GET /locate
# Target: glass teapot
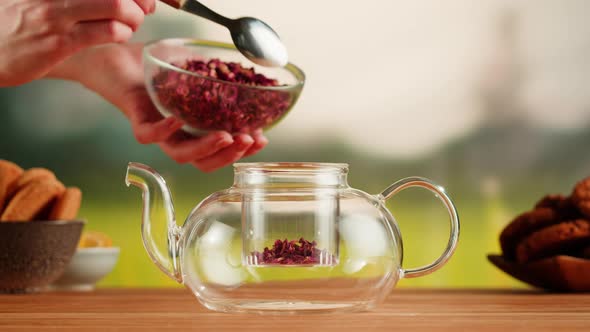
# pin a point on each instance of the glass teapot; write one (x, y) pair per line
(286, 237)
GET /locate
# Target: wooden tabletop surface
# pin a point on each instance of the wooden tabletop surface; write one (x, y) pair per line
(404, 310)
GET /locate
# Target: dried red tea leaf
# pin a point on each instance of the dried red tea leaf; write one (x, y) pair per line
(210, 105)
(290, 252)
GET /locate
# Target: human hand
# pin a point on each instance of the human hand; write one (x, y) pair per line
(116, 73)
(36, 35)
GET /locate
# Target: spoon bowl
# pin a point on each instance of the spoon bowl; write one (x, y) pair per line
(255, 39)
(258, 42)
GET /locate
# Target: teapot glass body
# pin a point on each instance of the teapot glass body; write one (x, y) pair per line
(286, 237)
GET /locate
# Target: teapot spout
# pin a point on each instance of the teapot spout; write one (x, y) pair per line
(159, 231)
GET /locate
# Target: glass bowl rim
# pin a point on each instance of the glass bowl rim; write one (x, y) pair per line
(187, 42)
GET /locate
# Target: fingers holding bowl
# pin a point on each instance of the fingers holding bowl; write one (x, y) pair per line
(260, 142)
(154, 132)
(207, 153)
(242, 143)
(184, 148)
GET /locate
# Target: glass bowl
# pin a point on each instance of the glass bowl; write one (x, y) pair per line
(207, 104)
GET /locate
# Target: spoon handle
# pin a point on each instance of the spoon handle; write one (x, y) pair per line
(197, 8)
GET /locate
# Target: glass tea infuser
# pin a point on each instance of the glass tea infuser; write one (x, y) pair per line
(285, 237)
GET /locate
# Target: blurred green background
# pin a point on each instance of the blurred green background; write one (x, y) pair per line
(502, 147)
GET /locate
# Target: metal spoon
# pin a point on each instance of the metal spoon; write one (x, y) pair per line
(254, 38)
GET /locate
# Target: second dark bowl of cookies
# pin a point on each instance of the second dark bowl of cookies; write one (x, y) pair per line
(549, 246)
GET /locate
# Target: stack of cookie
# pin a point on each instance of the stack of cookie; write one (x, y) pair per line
(35, 194)
(557, 225)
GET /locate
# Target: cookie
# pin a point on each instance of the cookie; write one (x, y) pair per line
(582, 252)
(524, 225)
(556, 239)
(31, 200)
(67, 205)
(564, 206)
(31, 175)
(581, 196)
(9, 173)
(551, 201)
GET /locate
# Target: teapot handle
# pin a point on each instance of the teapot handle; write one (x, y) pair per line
(447, 202)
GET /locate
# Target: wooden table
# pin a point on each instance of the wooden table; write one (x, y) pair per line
(404, 310)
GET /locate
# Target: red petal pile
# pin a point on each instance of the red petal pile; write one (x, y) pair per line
(209, 105)
(289, 253)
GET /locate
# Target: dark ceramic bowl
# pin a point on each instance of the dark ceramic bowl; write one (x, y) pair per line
(34, 254)
(558, 273)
